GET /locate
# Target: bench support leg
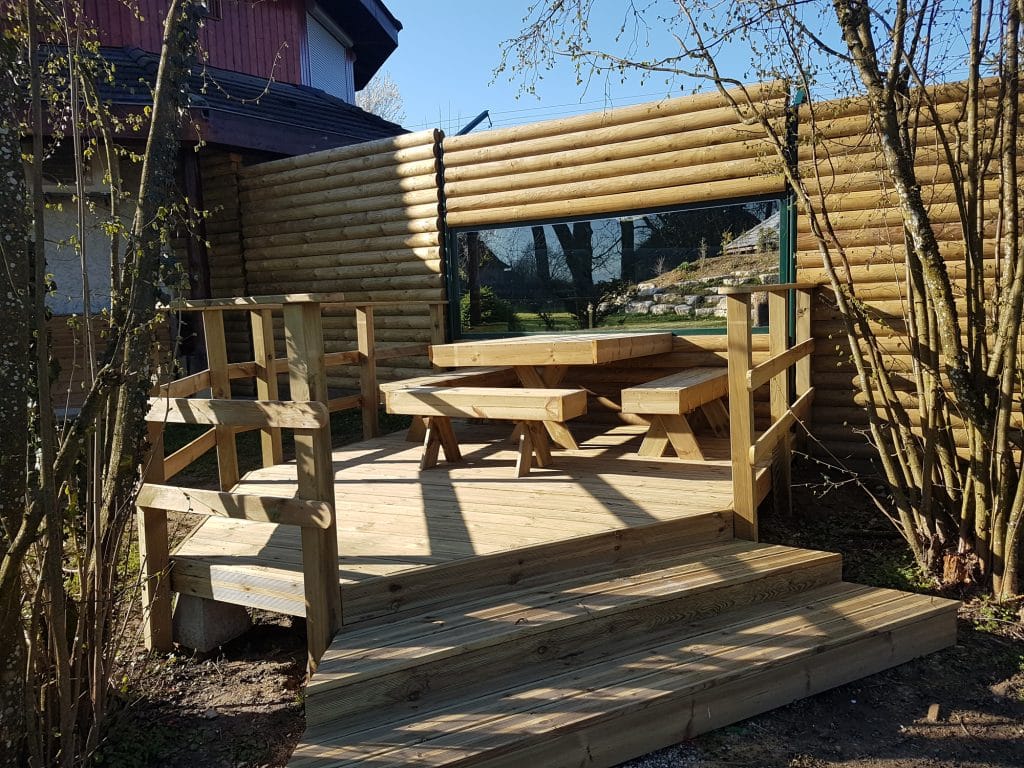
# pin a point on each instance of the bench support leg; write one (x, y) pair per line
(529, 377)
(533, 444)
(671, 431)
(439, 435)
(417, 430)
(718, 416)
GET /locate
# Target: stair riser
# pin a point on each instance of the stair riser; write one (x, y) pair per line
(631, 732)
(560, 646)
(424, 589)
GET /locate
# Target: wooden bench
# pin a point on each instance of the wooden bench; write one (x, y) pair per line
(528, 408)
(492, 376)
(667, 400)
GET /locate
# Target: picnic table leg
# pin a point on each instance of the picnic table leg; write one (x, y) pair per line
(529, 377)
(670, 430)
(717, 416)
(439, 436)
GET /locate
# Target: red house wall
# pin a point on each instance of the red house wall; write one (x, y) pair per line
(248, 37)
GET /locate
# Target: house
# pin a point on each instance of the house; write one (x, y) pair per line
(277, 79)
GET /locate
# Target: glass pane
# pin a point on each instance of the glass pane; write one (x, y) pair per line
(647, 270)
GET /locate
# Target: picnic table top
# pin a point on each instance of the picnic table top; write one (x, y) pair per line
(552, 349)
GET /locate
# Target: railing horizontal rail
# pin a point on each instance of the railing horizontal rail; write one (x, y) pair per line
(183, 387)
(243, 506)
(761, 374)
(252, 413)
(344, 403)
(333, 300)
(762, 450)
(185, 455)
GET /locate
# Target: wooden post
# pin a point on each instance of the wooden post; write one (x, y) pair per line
(220, 387)
(154, 557)
(368, 372)
(266, 380)
(778, 342)
(308, 382)
(802, 332)
(741, 416)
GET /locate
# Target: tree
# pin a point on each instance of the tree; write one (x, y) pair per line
(67, 498)
(382, 98)
(959, 505)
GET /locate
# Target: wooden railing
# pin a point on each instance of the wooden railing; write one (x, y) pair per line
(787, 372)
(306, 413)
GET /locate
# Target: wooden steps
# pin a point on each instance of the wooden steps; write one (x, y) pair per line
(595, 665)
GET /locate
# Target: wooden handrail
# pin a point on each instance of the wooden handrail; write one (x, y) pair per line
(763, 449)
(188, 453)
(243, 506)
(263, 414)
(761, 374)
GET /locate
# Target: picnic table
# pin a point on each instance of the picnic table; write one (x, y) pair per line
(542, 361)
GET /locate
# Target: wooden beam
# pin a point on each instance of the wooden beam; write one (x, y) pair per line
(344, 403)
(307, 379)
(348, 357)
(261, 509)
(188, 453)
(741, 415)
(220, 389)
(761, 374)
(368, 371)
(183, 387)
(740, 290)
(260, 414)
(262, 322)
(760, 453)
(779, 396)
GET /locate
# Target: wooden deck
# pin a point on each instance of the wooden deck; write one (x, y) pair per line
(397, 525)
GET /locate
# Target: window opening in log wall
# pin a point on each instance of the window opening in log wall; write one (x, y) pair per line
(654, 270)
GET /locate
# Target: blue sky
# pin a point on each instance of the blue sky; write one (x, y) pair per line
(447, 53)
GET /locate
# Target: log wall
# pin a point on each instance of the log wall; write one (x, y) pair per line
(364, 220)
(672, 152)
(844, 166)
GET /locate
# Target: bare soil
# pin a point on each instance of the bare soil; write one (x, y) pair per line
(242, 707)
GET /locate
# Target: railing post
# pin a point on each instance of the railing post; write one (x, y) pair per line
(220, 387)
(779, 396)
(437, 325)
(266, 380)
(307, 379)
(802, 375)
(154, 555)
(741, 416)
(368, 372)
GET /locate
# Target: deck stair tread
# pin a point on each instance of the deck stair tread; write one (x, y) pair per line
(637, 691)
(359, 653)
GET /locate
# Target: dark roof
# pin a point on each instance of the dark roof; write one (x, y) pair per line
(373, 29)
(246, 111)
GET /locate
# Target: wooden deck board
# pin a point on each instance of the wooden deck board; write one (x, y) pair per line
(392, 517)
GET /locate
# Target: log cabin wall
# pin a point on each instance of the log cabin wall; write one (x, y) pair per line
(844, 165)
(363, 220)
(674, 152)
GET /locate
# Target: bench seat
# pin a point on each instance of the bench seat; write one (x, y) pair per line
(528, 408)
(495, 376)
(667, 400)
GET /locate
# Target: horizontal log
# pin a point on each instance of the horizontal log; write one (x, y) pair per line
(379, 247)
(763, 450)
(408, 350)
(189, 452)
(260, 227)
(423, 282)
(334, 235)
(410, 267)
(385, 147)
(614, 203)
(254, 413)
(592, 181)
(574, 166)
(283, 209)
(761, 374)
(342, 187)
(690, 106)
(884, 255)
(242, 506)
(274, 301)
(870, 235)
(373, 261)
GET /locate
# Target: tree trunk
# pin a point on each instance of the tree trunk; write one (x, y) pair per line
(541, 255)
(473, 276)
(627, 265)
